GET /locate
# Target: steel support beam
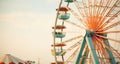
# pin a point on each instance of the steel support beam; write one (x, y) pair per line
(91, 47)
(112, 59)
(82, 46)
(84, 57)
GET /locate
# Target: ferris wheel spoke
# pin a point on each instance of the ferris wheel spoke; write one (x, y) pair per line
(94, 14)
(101, 57)
(110, 19)
(108, 14)
(85, 54)
(72, 31)
(116, 52)
(107, 47)
(105, 8)
(108, 38)
(71, 39)
(89, 9)
(85, 8)
(113, 7)
(95, 7)
(73, 46)
(79, 9)
(72, 55)
(99, 8)
(77, 17)
(110, 48)
(81, 12)
(74, 24)
(107, 32)
(112, 25)
(101, 47)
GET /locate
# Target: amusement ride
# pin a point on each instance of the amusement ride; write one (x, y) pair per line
(85, 32)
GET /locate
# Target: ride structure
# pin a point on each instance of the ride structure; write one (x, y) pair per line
(92, 23)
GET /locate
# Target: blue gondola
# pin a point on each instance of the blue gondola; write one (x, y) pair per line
(59, 34)
(64, 16)
(58, 52)
(68, 0)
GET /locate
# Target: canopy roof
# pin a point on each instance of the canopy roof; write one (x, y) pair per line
(10, 59)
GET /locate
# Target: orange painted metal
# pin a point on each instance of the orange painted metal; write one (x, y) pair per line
(93, 22)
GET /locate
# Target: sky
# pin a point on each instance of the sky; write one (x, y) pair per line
(25, 28)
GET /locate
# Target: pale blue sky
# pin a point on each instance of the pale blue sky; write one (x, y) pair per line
(25, 28)
(43, 6)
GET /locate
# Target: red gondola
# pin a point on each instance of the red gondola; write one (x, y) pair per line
(20, 63)
(2, 63)
(59, 27)
(11, 63)
(59, 62)
(65, 9)
(59, 44)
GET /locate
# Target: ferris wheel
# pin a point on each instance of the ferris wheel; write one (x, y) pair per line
(85, 32)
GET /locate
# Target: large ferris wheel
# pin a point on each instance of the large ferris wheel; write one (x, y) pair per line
(85, 31)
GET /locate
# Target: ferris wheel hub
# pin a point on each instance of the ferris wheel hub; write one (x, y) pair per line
(90, 33)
